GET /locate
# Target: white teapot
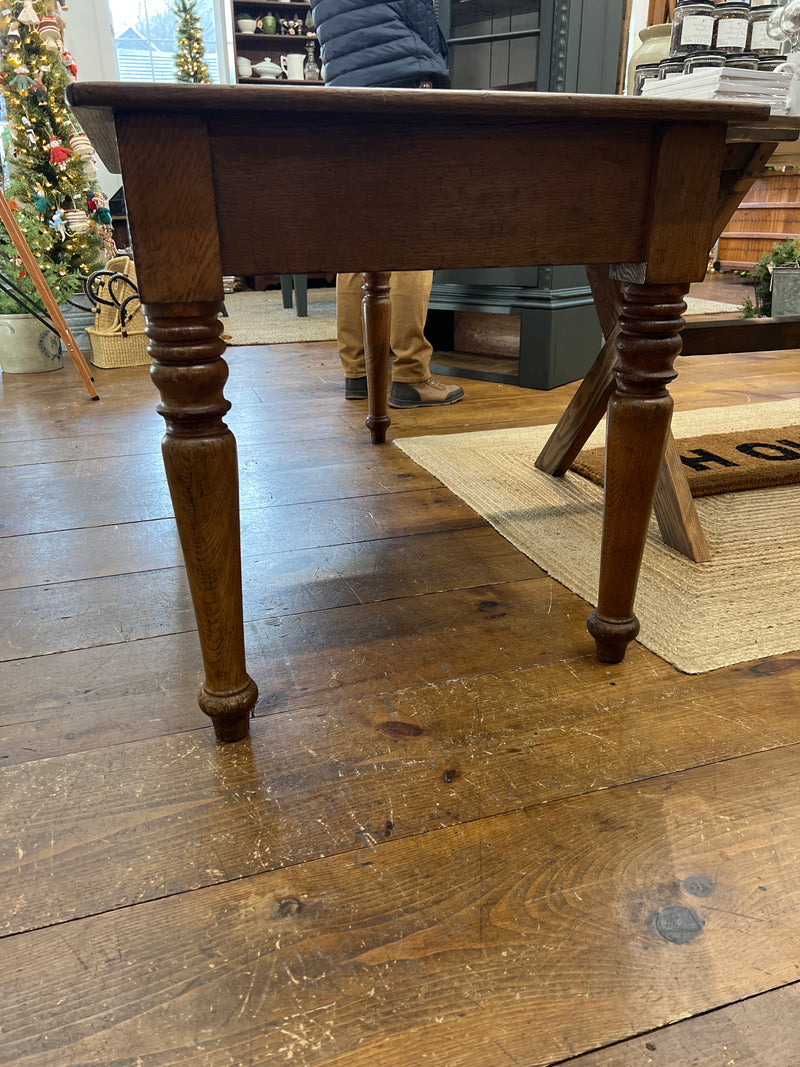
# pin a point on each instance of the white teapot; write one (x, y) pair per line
(267, 69)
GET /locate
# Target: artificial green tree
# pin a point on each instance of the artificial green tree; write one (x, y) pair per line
(48, 174)
(190, 64)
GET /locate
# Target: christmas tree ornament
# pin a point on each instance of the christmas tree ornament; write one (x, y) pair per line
(50, 33)
(77, 221)
(28, 16)
(13, 33)
(41, 203)
(59, 154)
(21, 81)
(101, 212)
(29, 131)
(58, 224)
(81, 146)
(69, 62)
(40, 93)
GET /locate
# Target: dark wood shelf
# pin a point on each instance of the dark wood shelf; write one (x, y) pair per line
(278, 38)
(274, 81)
(263, 5)
(254, 46)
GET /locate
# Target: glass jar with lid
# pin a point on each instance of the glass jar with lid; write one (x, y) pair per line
(644, 73)
(770, 62)
(703, 61)
(731, 26)
(759, 41)
(743, 61)
(692, 27)
(672, 67)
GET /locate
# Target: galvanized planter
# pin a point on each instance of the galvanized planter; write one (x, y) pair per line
(786, 291)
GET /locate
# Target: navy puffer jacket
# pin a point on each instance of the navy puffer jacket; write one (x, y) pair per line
(380, 42)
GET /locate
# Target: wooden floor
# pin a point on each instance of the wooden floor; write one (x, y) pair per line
(454, 835)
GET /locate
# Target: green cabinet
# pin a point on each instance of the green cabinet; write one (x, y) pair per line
(527, 45)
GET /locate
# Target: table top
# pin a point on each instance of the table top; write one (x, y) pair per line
(275, 96)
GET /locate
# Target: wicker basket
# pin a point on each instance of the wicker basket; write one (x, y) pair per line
(111, 349)
(113, 345)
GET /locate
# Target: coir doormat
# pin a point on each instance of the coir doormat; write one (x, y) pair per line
(724, 462)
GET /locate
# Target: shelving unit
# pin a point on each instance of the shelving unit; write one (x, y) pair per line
(258, 46)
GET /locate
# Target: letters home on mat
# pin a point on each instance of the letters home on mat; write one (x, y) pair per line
(741, 605)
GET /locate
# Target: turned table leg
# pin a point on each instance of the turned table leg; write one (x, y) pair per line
(377, 317)
(639, 414)
(200, 460)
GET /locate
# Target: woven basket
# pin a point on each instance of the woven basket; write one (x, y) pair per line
(111, 349)
(111, 345)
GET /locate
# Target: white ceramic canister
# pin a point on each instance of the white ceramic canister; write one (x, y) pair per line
(654, 47)
(27, 347)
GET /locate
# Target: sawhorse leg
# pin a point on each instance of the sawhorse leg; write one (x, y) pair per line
(674, 508)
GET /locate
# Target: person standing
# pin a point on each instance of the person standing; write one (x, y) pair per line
(388, 44)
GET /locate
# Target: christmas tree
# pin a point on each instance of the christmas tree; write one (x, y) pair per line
(190, 65)
(49, 175)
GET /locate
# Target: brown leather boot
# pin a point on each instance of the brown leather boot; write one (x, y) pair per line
(423, 394)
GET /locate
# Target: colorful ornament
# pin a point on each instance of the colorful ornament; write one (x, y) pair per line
(57, 223)
(77, 221)
(69, 62)
(28, 15)
(29, 130)
(40, 201)
(81, 146)
(22, 81)
(59, 154)
(40, 93)
(50, 33)
(101, 212)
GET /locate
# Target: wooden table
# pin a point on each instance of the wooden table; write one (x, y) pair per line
(408, 180)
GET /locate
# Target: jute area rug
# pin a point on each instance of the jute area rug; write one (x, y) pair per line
(261, 318)
(696, 306)
(741, 605)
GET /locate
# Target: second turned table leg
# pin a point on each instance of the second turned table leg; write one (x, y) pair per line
(639, 414)
(377, 318)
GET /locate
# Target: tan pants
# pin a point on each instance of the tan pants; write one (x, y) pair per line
(410, 291)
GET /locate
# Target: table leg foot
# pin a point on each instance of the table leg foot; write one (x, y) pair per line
(611, 636)
(377, 426)
(229, 712)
